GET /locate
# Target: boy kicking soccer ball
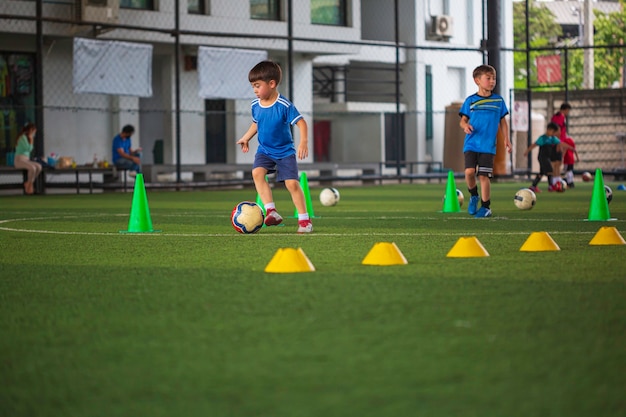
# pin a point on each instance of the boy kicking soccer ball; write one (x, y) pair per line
(272, 115)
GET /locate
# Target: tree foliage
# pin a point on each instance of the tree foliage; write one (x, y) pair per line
(609, 42)
(543, 32)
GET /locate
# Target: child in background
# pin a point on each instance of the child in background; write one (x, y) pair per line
(482, 118)
(546, 143)
(272, 116)
(560, 119)
(568, 160)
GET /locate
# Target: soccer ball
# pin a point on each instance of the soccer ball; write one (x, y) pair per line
(247, 217)
(525, 199)
(609, 193)
(459, 196)
(329, 197)
(564, 184)
(587, 176)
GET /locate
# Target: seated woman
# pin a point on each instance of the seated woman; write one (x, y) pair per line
(23, 150)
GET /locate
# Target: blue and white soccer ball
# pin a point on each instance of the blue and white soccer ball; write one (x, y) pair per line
(247, 217)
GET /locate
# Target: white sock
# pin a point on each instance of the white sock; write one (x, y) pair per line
(570, 177)
(303, 216)
(270, 206)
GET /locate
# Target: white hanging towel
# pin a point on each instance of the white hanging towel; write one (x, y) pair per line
(223, 72)
(112, 67)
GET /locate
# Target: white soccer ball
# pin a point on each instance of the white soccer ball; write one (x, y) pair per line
(525, 199)
(329, 196)
(609, 193)
(247, 217)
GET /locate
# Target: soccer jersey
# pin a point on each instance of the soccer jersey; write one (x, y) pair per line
(273, 127)
(546, 144)
(568, 156)
(484, 114)
(559, 119)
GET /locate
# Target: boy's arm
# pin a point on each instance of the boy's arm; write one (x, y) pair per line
(303, 146)
(530, 148)
(562, 146)
(465, 125)
(243, 141)
(503, 128)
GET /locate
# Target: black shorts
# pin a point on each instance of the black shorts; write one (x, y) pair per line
(545, 166)
(484, 161)
(556, 156)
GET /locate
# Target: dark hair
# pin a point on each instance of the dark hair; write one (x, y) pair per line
(566, 106)
(26, 128)
(129, 129)
(265, 71)
(483, 69)
(553, 126)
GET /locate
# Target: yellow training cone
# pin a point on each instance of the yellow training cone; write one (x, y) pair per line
(607, 236)
(287, 260)
(539, 242)
(467, 247)
(384, 253)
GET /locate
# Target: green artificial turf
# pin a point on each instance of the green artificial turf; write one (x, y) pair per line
(185, 322)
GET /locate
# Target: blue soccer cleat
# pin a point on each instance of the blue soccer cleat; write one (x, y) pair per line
(473, 205)
(483, 212)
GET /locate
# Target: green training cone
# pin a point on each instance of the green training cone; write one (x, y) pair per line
(260, 202)
(599, 207)
(304, 184)
(140, 221)
(451, 201)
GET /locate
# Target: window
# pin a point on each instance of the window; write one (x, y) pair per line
(17, 103)
(137, 4)
(328, 12)
(196, 7)
(265, 9)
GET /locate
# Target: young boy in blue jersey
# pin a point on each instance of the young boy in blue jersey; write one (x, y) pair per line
(482, 118)
(272, 116)
(548, 143)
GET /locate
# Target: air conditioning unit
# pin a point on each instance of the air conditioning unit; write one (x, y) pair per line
(442, 26)
(100, 11)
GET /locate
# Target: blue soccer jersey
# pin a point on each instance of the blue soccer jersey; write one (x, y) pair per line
(273, 127)
(484, 114)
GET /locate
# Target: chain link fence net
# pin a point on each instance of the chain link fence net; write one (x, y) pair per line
(355, 86)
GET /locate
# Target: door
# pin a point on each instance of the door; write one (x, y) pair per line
(215, 139)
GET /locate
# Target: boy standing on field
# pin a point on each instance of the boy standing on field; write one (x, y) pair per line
(272, 116)
(482, 118)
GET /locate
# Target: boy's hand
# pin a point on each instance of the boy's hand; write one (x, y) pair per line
(244, 145)
(303, 151)
(468, 128)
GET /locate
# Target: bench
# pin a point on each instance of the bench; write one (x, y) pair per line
(197, 173)
(79, 177)
(13, 178)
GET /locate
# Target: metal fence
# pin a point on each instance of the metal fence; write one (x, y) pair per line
(380, 83)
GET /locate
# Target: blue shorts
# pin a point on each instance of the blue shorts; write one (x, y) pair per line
(285, 168)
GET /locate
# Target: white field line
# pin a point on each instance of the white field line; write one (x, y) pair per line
(417, 234)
